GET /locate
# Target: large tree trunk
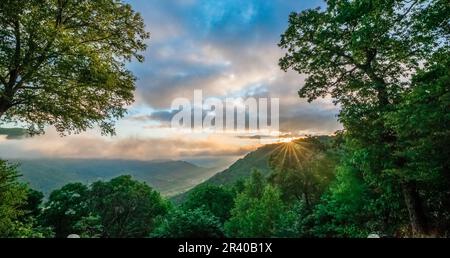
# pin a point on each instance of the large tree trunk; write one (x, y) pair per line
(2, 108)
(1, 112)
(5, 101)
(412, 198)
(415, 208)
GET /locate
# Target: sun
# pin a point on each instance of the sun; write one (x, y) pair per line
(291, 152)
(285, 140)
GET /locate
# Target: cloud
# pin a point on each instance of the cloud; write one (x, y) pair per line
(163, 115)
(265, 136)
(88, 145)
(140, 118)
(219, 46)
(227, 48)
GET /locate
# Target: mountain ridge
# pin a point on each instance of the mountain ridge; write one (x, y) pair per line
(169, 177)
(242, 168)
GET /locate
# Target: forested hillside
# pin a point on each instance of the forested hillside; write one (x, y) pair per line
(168, 177)
(241, 169)
(259, 160)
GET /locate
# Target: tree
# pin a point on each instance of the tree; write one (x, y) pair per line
(353, 208)
(33, 203)
(363, 53)
(254, 186)
(121, 207)
(422, 124)
(90, 226)
(66, 207)
(215, 199)
(127, 208)
(190, 223)
(63, 62)
(18, 206)
(258, 210)
(302, 169)
(12, 196)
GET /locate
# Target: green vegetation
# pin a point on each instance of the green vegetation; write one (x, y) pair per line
(12, 195)
(65, 207)
(123, 207)
(303, 168)
(242, 168)
(18, 206)
(260, 159)
(70, 71)
(196, 223)
(118, 208)
(258, 211)
(386, 63)
(168, 177)
(214, 199)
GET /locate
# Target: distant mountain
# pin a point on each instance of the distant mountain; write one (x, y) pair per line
(258, 159)
(242, 168)
(168, 177)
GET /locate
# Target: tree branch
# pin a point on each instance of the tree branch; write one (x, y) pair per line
(407, 11)
(15, 62)
(45, 54)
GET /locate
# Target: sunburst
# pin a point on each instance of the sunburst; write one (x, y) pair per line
(292, 153)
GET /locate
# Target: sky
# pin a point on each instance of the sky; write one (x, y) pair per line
(227, 48)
